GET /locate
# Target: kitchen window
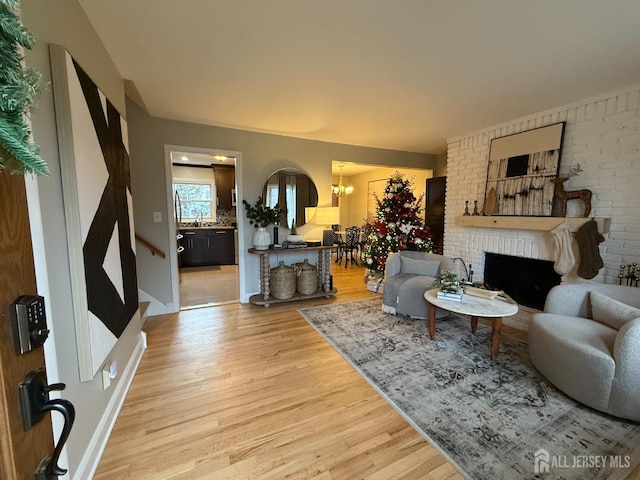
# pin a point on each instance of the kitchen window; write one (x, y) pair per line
(195, 197)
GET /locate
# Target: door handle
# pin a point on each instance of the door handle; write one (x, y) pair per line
(34, 401)
(49, 468)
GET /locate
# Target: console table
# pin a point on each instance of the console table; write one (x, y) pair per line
(323, 270)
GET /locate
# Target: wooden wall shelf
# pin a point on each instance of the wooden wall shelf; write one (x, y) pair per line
(529, 223)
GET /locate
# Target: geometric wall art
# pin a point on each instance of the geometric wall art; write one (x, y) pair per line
(94, 165)
(521, 167)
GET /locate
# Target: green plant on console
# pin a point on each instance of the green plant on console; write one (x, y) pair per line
(260, 215)
(448, 281)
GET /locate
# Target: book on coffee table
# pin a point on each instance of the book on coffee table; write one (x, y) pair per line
(454, 297)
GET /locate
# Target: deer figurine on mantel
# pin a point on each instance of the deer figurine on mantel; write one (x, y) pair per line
(563, 196)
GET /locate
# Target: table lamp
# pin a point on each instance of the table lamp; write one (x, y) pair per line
(327, 216)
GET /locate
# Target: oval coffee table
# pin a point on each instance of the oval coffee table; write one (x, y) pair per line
(474, 307)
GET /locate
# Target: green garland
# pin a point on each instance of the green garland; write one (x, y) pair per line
(18, 92)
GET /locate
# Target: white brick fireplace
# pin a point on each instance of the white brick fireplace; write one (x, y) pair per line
(602, 136)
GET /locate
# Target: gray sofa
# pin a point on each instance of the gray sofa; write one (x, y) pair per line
(587, 343)
(407, 276)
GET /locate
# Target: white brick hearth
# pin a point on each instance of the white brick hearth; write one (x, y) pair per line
(602, 135)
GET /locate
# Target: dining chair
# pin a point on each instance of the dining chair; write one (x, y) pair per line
(338, 242)
(351, 243)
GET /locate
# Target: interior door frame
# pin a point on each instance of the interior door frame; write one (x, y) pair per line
(42, 283)
(171, 221)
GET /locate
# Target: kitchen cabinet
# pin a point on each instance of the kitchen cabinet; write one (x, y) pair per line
(225, 177)
(207, 246)
(194, 243)
(220, 247)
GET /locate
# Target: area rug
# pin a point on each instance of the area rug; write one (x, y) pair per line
(492, 420)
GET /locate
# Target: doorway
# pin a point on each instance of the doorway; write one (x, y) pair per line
(206, 268)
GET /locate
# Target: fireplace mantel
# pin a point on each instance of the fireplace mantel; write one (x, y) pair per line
(529, 223)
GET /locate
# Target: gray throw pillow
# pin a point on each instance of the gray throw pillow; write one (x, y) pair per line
(416, 266)
(611, 312)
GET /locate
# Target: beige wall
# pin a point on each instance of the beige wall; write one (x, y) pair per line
(441, 165)
(63, 22)
(262, 154)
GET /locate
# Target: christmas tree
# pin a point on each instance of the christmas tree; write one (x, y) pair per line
(397, 226)
(18, 90)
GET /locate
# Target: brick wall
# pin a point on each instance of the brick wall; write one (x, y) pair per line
(602, 135)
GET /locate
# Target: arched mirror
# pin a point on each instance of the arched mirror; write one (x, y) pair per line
(293, 190)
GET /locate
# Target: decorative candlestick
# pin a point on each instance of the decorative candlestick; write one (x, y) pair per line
(466, 208)
(621, 275)
(630, 273)
(475, 208)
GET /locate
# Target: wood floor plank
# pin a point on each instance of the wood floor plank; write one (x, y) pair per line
(246, 392)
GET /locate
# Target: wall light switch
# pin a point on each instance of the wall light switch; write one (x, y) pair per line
(157, 217)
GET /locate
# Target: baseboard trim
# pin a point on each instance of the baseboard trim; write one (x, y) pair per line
(156, 307)
(98, 443)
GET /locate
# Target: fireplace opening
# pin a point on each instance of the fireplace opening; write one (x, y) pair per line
(526, 280)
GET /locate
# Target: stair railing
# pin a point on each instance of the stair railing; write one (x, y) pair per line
(152, 248)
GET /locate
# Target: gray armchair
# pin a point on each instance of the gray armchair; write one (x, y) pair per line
(407, 276)
(587, 343)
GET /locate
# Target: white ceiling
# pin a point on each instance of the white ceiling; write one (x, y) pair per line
(396, 74)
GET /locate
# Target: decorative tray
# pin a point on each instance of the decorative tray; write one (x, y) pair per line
(480, 292)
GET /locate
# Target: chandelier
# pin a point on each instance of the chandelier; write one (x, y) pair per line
(341, 190)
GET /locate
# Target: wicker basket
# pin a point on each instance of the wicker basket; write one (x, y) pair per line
(307, 281)
(283, 282)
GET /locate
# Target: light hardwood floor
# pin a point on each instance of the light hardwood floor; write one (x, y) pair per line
(208, 285)
(245, 392)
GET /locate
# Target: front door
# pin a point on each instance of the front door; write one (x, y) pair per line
(20, 451)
